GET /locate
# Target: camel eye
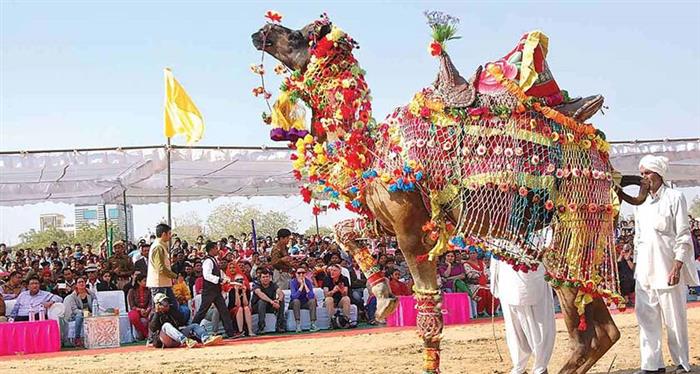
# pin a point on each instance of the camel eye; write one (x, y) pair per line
(296, 37)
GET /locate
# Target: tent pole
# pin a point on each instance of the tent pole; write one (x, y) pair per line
(170, 223)
(126, 218)
(104, 215)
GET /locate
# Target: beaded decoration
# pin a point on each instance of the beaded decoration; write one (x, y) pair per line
(508, 173)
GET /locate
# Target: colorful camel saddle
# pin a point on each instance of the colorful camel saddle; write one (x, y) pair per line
(508, 171)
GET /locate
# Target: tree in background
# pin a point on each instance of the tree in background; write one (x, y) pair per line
(95, 234)
(694, 209)
(86, 234)
(188, 227)
(234, 218)
(42, 239)
(322, 230)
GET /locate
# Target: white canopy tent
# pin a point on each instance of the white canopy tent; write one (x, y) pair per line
(138, 175)
(683, 154)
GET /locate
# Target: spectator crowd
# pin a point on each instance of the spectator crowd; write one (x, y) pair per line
(254, 274)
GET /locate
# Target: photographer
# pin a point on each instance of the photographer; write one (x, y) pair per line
(625, 267)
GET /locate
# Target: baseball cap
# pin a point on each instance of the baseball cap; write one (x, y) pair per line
(160, 298)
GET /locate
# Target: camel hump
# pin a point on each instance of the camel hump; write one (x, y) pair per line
(451, 88)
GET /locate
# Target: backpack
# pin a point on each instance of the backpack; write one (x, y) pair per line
(340, 321)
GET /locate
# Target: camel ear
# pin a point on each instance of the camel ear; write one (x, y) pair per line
(325, 30)
(314, 31)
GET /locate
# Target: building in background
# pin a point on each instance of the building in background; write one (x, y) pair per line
(49, 220)
(55, 220)
(116, 215)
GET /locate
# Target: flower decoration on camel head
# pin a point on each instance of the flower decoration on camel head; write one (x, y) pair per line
(444, 28)
(273, 16)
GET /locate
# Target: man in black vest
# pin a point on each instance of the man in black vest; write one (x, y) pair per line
(211, 290)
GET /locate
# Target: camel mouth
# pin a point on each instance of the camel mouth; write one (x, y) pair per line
(258, 42)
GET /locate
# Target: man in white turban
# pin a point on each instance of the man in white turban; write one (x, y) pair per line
(663, 269)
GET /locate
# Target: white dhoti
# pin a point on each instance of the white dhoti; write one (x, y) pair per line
(658, 308)
(530, 331)
(528, 314)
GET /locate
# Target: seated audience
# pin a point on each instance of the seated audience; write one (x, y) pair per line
(140, 306)
(268, 298)
(33, 299)
(453, 274)
(398, 288)
(302, 297)
(106, 283)
(13, 287)
(182, 294)
(76, 304)
(336, 289)
(65, 286)
(92, 275)
(239, 304)
(479, 285)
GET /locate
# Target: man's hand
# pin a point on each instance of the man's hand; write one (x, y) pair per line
(48, 305)
(275, 304)
(675, 275)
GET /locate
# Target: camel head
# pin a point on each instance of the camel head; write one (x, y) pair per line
(290, 47)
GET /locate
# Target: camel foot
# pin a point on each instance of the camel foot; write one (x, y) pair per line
(386, 302)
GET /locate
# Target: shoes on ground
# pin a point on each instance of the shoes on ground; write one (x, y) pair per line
(213, 340)
(313, 327)
(190, 343)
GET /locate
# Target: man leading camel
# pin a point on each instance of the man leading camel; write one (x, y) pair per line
(664, 267)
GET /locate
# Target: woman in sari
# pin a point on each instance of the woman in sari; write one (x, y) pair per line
(452, 273)
(479, 289)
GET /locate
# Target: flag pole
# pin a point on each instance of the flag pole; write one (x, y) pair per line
(169, 187)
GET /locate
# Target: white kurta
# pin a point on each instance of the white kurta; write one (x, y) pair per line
(528, 314)
(662, 236)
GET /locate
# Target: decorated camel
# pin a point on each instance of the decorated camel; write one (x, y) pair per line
(503, 160)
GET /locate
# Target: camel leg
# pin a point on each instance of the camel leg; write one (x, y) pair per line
(346, 232)
(590, 345)
(405, 214)
(426, 292)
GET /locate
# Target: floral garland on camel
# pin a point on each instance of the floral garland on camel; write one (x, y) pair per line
(509, 143)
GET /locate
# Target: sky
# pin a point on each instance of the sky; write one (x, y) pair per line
(89, 73)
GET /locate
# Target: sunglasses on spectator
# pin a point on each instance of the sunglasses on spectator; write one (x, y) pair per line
(301, 272)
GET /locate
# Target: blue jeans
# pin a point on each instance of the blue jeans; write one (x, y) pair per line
(182, 333)
(371, 307)
(79, 325)
(185, 311)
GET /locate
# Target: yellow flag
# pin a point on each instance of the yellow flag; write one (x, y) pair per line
(181, 115)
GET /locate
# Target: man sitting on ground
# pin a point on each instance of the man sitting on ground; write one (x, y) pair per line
(336, 289)
(168, 329)
(302, 297)
(268, 298)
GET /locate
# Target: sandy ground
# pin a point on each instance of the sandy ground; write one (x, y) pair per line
(466, 349)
